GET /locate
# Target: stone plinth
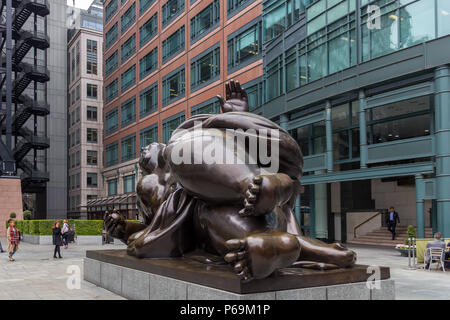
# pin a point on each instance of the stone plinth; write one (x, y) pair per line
(186, 279)
(10, 201)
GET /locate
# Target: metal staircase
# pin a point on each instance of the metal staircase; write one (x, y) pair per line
(29, 141)
(27, 74)
(26, 8)
(27, 41)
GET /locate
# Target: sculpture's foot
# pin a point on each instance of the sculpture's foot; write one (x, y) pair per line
(341, 256)
(334, 253)
(265, 192)
(259, 255)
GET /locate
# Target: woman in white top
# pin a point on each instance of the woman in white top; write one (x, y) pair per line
(65, 233)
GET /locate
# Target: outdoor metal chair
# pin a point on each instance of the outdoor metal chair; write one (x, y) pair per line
(436, 256)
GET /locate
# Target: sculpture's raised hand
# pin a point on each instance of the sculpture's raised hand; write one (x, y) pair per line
(115, 225)
(236, 98)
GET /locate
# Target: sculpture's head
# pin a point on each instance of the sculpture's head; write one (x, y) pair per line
(152, 157)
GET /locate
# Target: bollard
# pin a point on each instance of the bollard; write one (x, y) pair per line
(414, 253)
(409, 253)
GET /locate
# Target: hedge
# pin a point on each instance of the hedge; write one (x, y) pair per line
(44, 227)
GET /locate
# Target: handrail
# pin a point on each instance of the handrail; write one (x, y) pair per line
(364, 222)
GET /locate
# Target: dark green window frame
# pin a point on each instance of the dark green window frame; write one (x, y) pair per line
(110, 10)
(128, 18)
(173, 44)
(205, 21)
(111, 36)
(205, 68)
(148, 30)
(148, 100)
(91, 179)
(112, 121)
(239, 55)
(128, 78)
(129, 183)
(170, 124)
(128, 48)
(128, 148)
(112, 154)
(144, 5)
(112, 186)
(148, 63)
(148, 135)
(170, 10)
(173, 86)
(274, 78)
(112, 90)
(128, 112)
(254, 91)
(112, 63)
(211, 106)
(91, 157)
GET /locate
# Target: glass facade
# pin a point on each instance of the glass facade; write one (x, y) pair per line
(144, 5)
(311, 138)
(110, 10)
(129, 184)
(205, 20)
(128, 18)
(111, 63)
(128, 48)
(148, 30)
(170, 10)
(128, 112)
(111, 90)
(173, 45)
(128, 78)
(345, 126)
(170, 124)
(112, 154)
(173, 87)
(128, 148)
(245, 46)
(111, 36)
(112, 121)
(205, 69)
(148, 100)
(112, 187)
(254, 94)
(236, 5)
(148, 135)
(210, 108)
(148, 63)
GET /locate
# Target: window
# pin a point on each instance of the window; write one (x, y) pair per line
(205, 69)
(129, 184)
(443, 17)
(148, 63)
(275, 22)
(144, 5)
(148, 135)
(128, 48)
(173, 87)
(128, 112)
(274, 81)
(148, 100)
(112, 63)
(205, 20)
(92, 180)
(91, 57)
(111, 91)
(77, 50)
(78, 135)
(91, 113)
(148, 30)
(170, 10)
(279, 15)
(110, 10)
(128, 18)
(170, 124)
(236, 5)
(91, 135)
(244, 47)
(111, 36)
(208, 108)
(77, 113)
(78, 181)
(91, 158)
(345, 126)
(173, 45)
(254, 94)
(112, 154)
(400, 120)
(128, 148)
(73, 64)
(91, 90)
(77, 93)
(311, 138)
(78, 158)
(112, 187)
(112, 121)
(128, 78)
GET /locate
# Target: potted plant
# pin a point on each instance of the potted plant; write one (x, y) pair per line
(404, 247)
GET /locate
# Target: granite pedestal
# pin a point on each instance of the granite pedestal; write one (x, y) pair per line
(186, 279)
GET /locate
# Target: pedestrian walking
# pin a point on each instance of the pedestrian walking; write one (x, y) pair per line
(65, 234)
(13, 238)
(393, 220)
(57, 239)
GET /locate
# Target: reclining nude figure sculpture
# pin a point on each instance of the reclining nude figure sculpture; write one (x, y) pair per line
(223, 208)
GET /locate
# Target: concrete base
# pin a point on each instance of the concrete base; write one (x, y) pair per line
(140, 285)
(10, 200)
(88, 240)
(81, 240)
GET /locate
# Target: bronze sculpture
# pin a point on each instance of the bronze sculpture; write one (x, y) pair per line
(222, 209)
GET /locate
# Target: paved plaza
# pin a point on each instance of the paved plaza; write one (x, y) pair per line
(36, 275)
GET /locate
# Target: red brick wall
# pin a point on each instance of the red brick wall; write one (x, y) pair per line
(10, 201)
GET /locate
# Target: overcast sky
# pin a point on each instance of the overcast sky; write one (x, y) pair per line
(80, 3)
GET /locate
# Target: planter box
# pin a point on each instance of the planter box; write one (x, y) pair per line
(36, 239)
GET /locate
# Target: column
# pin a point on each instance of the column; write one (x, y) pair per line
(362, 129)
(284, 119)
(321, 210)
(442, 138)
(329, 136)
(420, 207)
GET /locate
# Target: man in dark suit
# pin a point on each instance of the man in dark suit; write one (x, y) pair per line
(447, 257)
(393, 219)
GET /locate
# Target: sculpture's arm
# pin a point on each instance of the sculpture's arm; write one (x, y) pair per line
(117, 227)
(236, 98)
